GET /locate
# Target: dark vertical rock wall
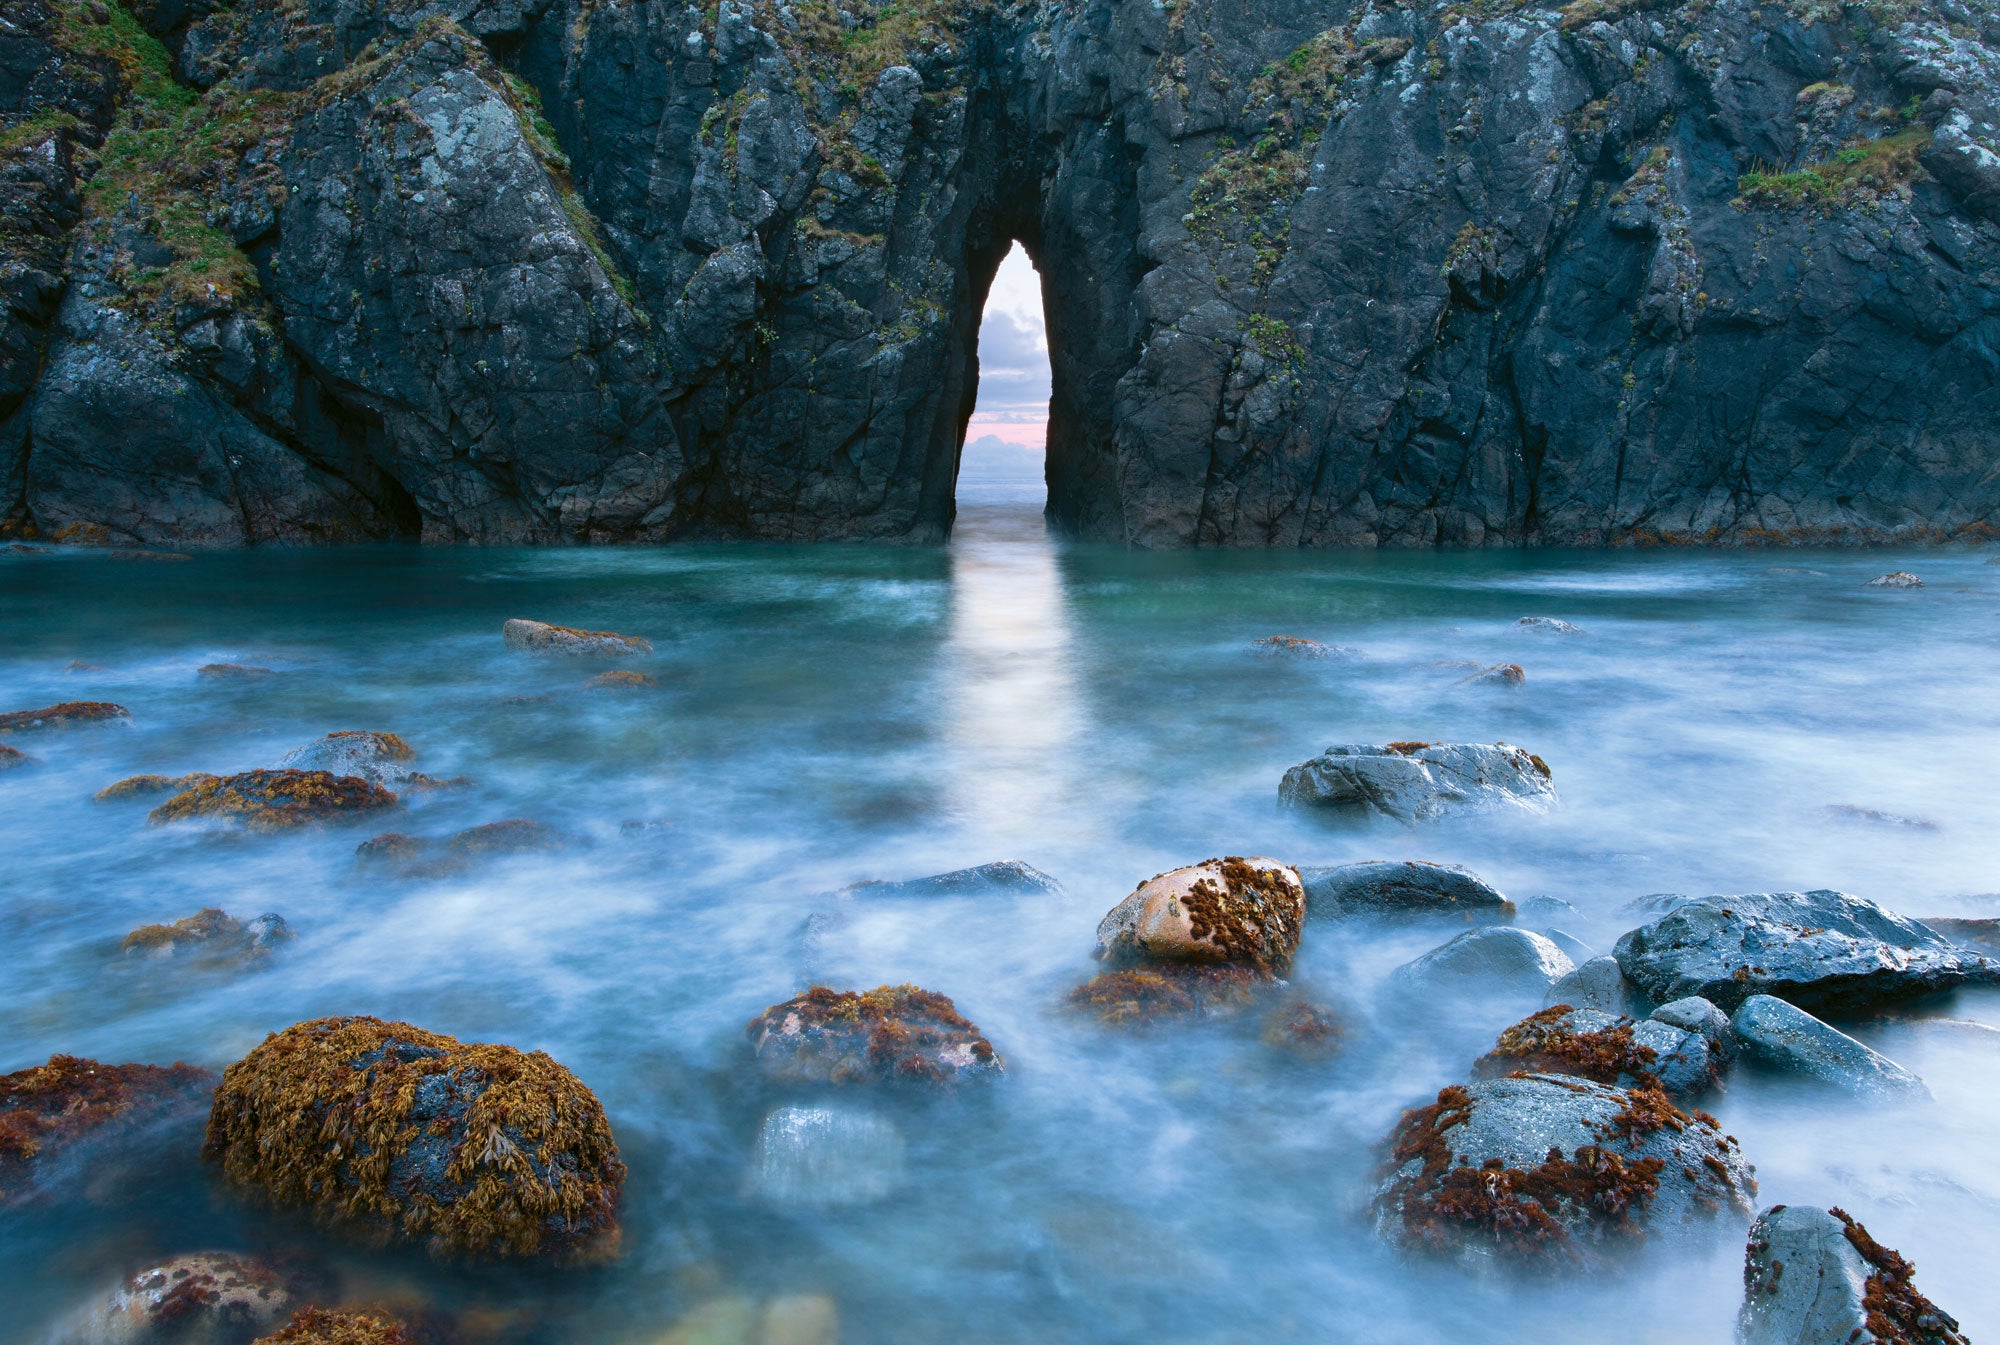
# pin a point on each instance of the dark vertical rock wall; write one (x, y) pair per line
(1315, 273)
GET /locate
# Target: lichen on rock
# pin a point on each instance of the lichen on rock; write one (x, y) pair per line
(469, 1150)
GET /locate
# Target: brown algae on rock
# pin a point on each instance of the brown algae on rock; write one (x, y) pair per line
(895, 1033)
(321, 1326)
(1244, 912)
(46, 1107)
(475, 1150)
(541, 637)
(274, 800)
(66, 715)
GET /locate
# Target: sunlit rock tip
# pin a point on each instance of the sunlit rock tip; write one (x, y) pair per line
(1606, 1048)
(382, 758)
(1419, 781)
(1895, 579)
(891, 1034)
(475, 1150)
(540, 637)
(1555, 1171)
(1787, 1039)
(1245, 912)
(209, 934)
(1816, 1277)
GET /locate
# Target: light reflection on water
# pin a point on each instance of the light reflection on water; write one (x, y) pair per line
(832, 714)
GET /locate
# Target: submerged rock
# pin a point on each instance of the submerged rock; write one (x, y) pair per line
(1304, 1028)
(621, 680)
(210, 933)
(137, 786)
(1001, 878)
(1980, 935)
(826, 1157)
(1895, 579)
(69, 714)
(1408, 887)
(1785, 1037)
(891, 1033)
(1594, 984)
(208, 1298)
(238, 672)
(1549, 623)
(428, 857)
(381, 758)
(1294, 646)
(477, 1150)
(1134, 996)
(10, 757)
(46, 1109)
(274, 800)
(1415, 781)
(1548, 1168)
(542, 638)
(1606, 1048)
(1499, 675)
(1848, 812)
(319, 1326)
(1820, 950)
(1244, 912)
(1497, 959)
(1815, 1277)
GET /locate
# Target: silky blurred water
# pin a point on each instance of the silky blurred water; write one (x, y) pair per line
(828, 714)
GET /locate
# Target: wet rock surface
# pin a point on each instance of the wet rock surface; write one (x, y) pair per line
(1242, 912)
(70, 1101)
(540, 637)
(322, 1326)
(381, 758)
(1783, 1037)
(1001, 878)
(1403, 888)
(1812, 1276)
(1605, 1048)
(1500, 961)
(899, 1034)
(1594, 984)
(205, 1298)
(139, 786)
(474, 1150)
(275, 800)
(1417, 781)
(69, 714)
(1549, 1169)
(210, 934)
(1824, 951)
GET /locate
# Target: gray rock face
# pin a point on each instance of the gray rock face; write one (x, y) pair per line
(1806, 1281)
(382, 758)
(1596, 984)
(1554, 1168)
(1001, 878)
(564, 271)
(1398, 888)
(1787, 1038)
(1821, 950)
(1606, 1047)
(1697, 1015)
(1496, 959)
(1415, 782)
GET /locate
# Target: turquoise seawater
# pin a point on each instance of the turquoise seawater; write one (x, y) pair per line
(829, 714)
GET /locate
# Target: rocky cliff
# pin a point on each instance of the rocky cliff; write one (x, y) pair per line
(1315, 273)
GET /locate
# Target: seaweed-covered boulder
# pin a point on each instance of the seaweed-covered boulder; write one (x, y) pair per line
(382, 758)
(1134, 996)
(1417, 781)
(69, 714)
(210, 933)
(476, 1150)
(1815, 1277)
(1821, 950)
(47, 1109)
(427, 857)
(1784, 1037)
(540, 637)
(893, 1033)
(1243, 912)
(1497, 960)
(274, 800)
(1001, 878)
(1404, 887)
(320, 1326)
(139, 786)
(1542, 1168)
(207, 1298)
(826, 1157)
(1605, 1048)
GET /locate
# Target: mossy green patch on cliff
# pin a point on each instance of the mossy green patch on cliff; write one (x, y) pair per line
(1854, 172)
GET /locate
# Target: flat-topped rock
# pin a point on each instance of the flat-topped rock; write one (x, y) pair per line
(1785, 1037)
(69, 714)
(10, 757)
(1554, 1170)
(234, 672)
(1815, 1277)
(899, 1034)
(1417, 781)
(1403, 888)
(1243, 911)
(1822, 950)
(209, 934)
(540, 637)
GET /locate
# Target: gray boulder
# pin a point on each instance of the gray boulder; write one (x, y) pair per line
(1002, 878)
(1595, 984)
(826, 1157)
(1821, 950)
(1497, 959)
(1788, 1038)
(1697, 1015)
(1415, 782)
(1577, 950)
(1604, 1047)
(382, 758)
(1815, 1277)
(1549, 1168)
(1411, 887)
